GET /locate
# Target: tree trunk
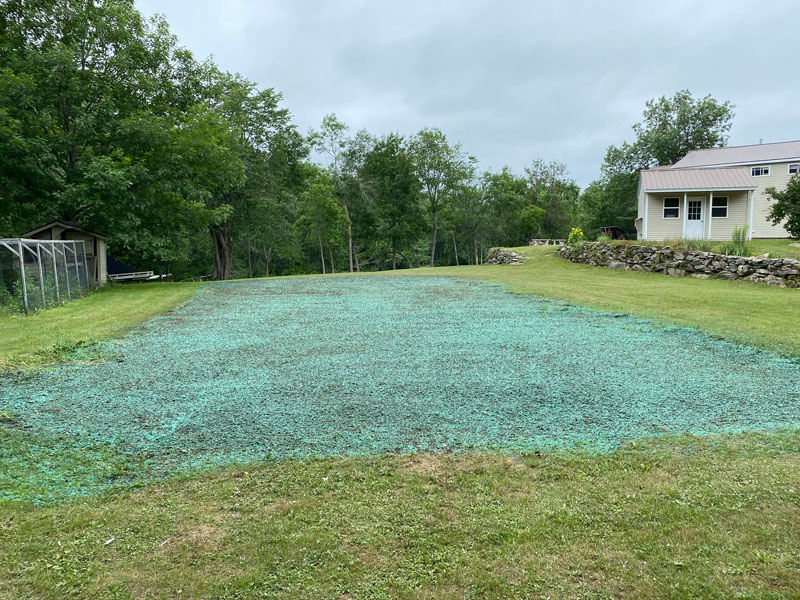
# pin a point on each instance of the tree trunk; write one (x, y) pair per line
(455, 249)
(433, 240)
(355, 256)
(267, 256)
(475, 246)
(321, 256)
(350, 245)
(330, 253)
(394, 257)
(249, 261)
(221, 238)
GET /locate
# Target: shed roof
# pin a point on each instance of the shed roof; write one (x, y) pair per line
(65, 225)
(662, 179)
(742, 155)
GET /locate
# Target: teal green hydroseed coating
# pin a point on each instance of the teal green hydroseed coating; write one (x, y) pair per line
(364, 365)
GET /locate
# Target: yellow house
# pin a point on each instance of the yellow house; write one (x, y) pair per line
(708, 193)
(94, 243)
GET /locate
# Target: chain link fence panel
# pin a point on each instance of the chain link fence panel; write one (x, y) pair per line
(40, 274)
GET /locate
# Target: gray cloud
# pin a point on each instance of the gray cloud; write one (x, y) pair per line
(511, 81)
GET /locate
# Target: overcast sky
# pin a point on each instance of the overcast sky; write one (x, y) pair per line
(511, 81)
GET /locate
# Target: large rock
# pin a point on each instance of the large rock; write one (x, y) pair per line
(500, 256)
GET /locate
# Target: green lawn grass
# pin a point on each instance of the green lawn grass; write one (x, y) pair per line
(680, 518)
(47, 336)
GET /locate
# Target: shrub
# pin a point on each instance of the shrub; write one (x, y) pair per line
(603, 238)
(787, 206)
(575, 236)
(697, 245)
(738, 245)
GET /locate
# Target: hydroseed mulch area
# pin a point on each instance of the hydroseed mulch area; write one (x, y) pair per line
(364, 365)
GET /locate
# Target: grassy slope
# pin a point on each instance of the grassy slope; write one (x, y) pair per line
(689, 518)
(682, 518)
(110, 313)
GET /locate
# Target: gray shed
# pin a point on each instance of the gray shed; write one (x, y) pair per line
(95, 244)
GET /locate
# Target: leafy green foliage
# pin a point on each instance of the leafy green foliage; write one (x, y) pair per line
(441, 168)
(320, 216)
(738, 245)
(389, 179)
(786, 208)
(575, 236)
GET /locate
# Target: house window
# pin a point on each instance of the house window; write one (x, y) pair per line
(719, 207)
(794, 168)
(759, 171)
(672, 208)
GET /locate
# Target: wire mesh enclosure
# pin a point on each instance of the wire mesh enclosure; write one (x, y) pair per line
(39, 274)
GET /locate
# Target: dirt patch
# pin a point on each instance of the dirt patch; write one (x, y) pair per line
(201, 539)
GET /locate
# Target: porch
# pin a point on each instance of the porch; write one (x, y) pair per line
(711, 215)
(703, 204)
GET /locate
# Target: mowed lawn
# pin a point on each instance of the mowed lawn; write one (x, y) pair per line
(49, 336)
(674, 517)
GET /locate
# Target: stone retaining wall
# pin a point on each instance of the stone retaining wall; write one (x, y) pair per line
(782, 272)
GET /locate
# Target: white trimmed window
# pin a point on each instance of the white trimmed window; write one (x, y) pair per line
(672, 208)
(794, 168)
(719, 207)
(759, 171)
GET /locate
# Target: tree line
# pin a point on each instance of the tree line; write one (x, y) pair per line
(106, 120)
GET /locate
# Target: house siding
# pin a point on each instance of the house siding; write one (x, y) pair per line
(778, 178)
(659, 228)
(738, 215)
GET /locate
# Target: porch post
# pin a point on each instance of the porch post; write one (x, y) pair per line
(685, 210)
(710, 210)
(750, 223)
(644, 225)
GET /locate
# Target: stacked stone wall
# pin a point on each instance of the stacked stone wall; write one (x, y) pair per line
(781, 272)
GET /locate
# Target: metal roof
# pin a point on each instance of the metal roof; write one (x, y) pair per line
(66, 225)
(678, 180)
(742, 155)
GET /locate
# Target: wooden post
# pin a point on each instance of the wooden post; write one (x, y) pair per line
(710, 212)
(685, 212)
(646, 206)
(22, 277)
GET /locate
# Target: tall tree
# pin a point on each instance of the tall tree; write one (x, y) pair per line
(390, 179)
(550, 189)
(441, 168)
(257, 123)
(786, 208)
(320, 216)
(332, 141)
(670, 128)
(505, 196)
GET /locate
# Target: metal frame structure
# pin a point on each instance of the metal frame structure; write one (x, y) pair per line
(64, 254)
